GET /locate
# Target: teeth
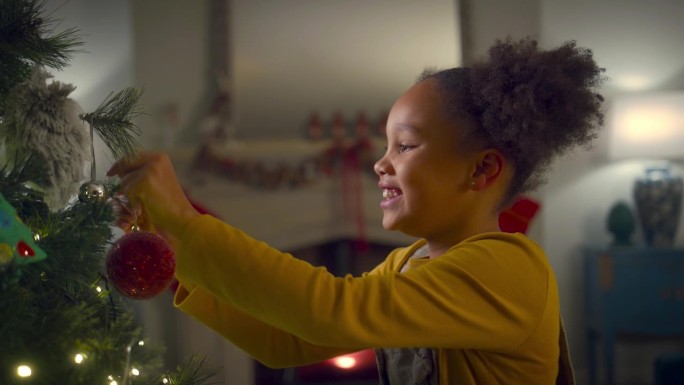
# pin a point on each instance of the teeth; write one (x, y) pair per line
(389, 193)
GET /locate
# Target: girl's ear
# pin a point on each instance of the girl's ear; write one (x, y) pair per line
(488, 169)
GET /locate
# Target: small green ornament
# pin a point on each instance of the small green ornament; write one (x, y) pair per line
(621, 224)
(17, 245)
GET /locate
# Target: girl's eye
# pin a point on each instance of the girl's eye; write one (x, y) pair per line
(405, 147)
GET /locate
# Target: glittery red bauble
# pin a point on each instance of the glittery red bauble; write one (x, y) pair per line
(141, 265)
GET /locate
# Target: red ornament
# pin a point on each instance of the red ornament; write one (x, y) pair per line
(25, 250)
(141, 264)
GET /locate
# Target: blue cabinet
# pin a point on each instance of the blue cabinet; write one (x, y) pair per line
(631, 291)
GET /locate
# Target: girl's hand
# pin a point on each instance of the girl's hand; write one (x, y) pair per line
(155, 195)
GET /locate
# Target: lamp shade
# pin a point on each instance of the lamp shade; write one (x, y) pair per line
(647, 126)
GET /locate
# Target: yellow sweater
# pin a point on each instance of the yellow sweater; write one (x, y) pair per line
(489, 305)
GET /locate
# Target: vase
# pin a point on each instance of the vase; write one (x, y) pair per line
(658, 199)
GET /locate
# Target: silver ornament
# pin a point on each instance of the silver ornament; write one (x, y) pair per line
(92, 192)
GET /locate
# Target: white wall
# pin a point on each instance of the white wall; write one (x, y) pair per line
(296, 56)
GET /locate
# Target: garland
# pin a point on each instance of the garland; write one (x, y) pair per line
(339, 159)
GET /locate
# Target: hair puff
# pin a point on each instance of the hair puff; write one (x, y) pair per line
(533, 105)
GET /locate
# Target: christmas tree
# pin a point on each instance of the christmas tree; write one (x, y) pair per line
(61, 321)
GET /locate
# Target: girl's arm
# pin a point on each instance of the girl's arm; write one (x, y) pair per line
(488, 295)
(270, 346)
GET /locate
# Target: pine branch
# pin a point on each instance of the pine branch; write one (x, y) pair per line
(15, 186)
(23, 34)
(27, 39)
(112, 121)
(193, 371)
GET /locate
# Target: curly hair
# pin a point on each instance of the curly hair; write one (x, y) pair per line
(530, 104)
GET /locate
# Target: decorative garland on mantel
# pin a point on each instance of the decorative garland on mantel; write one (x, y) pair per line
(342, 157)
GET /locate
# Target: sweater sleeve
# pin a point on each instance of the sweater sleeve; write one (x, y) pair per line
(270, 346)
(486, 294)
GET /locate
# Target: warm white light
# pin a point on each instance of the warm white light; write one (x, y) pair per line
(78, 358)
(36, 237)
(650, 123)
(634, 82)
(141, 343)
(344, 362)
(98, 289)
(165, 381)
(23, 371)
(110, 377)
(135, 372)
(648, 126)
(113, 383)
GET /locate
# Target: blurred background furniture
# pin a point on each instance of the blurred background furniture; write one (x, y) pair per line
(631, 292)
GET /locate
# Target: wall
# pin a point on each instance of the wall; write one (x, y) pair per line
(288, 59)
(296, 56)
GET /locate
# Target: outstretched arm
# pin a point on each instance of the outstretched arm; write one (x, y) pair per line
(267, 344)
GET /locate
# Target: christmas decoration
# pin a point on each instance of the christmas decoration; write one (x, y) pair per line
(314, 128)
(92, 191)
(16, 240)
(141, 264)
(41, 118)
(61, 322)
(517, 218)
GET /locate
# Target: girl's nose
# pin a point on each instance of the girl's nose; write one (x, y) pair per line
(381, 166)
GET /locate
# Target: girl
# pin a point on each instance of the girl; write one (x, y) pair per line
(467, 303)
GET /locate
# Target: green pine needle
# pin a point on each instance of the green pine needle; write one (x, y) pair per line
(113, 122)
(27, 39)
(193, 371)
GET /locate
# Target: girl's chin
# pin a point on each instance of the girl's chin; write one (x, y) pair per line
(390, 224)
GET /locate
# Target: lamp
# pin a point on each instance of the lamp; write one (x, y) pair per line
(651, 126)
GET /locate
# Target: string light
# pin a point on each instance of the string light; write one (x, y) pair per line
(165, 380)
(113, 383)
(344, 362)
(36, 237)
(78, 358)
(23, 371)
(98, 289)
(141, 343)
(135, 372)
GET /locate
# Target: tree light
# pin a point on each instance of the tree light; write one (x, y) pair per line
(165, 380)
(344, 362)
(98, 289)
(23, 371)
(141, 343)
(78, 358)
(113, 383)
(135, 372)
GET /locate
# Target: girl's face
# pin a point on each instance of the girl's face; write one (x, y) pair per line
(424, 174)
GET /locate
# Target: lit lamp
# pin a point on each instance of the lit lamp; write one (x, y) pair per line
(652, 127)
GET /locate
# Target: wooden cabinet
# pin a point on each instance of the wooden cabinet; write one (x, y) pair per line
(631, 292)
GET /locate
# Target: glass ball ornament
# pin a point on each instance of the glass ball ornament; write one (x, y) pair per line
(140, 265)
(92, 192)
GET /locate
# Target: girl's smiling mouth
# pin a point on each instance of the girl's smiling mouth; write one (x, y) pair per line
(389, 193)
